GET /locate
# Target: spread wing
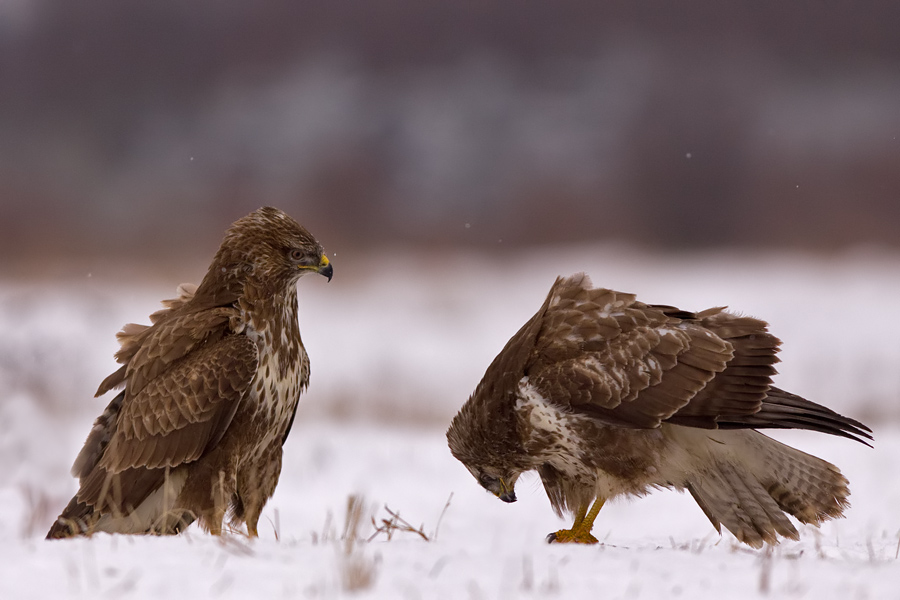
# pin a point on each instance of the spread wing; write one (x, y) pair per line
(630, 364)
(179, 400)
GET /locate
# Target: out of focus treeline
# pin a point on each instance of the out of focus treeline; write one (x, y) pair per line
(129, 128)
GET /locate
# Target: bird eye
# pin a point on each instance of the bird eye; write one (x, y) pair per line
(486, 480)
(297, 255)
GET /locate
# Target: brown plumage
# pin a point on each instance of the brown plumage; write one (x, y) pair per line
(603, 395)
(209, 394)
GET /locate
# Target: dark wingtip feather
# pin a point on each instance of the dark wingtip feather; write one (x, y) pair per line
(783, 410)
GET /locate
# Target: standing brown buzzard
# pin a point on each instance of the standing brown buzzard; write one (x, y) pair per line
(603, 395)
(210, 393)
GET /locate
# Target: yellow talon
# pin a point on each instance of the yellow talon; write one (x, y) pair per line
(580, 533)
(572, 536)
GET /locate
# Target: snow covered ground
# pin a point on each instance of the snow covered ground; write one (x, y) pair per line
(397, 342)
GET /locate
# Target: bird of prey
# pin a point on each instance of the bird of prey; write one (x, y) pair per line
(605, 396)
(209, 394)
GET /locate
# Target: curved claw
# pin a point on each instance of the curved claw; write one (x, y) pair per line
(572, 536)
(581, 529)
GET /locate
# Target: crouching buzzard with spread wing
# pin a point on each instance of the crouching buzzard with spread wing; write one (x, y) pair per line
(603, 395)
(210, 393)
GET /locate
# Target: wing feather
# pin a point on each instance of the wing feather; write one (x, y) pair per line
(622, 361)
(175, 416)
(173, 419)
(630, 364)
(146, 352)
(741, 388)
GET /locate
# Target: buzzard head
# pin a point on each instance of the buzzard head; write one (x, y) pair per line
(484, 436)
(488, 446)
(267, 250)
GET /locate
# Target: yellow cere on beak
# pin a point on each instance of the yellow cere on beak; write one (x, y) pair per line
(507, 493)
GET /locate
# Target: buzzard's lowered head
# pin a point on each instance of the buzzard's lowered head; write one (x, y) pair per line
(488, 446)
(266, 249)
(484, 436)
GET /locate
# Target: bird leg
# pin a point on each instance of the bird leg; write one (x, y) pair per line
(252, 518)
(580, 533)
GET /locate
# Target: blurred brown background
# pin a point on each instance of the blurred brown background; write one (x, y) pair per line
(136, 129)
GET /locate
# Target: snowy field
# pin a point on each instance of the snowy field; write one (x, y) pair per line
(397, 342)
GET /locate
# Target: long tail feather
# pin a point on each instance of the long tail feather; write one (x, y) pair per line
(754, 482)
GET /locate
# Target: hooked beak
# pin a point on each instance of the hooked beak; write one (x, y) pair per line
(325, 268)
(507, 494)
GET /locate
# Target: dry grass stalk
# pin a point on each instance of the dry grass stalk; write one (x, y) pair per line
(236, 545)
(276, 524)
(40, 509)
(355, 509)
(327, 534)
(357, 571)
(441, 518)
(765, 571)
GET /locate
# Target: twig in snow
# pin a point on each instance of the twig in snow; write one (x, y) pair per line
(395, 523)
